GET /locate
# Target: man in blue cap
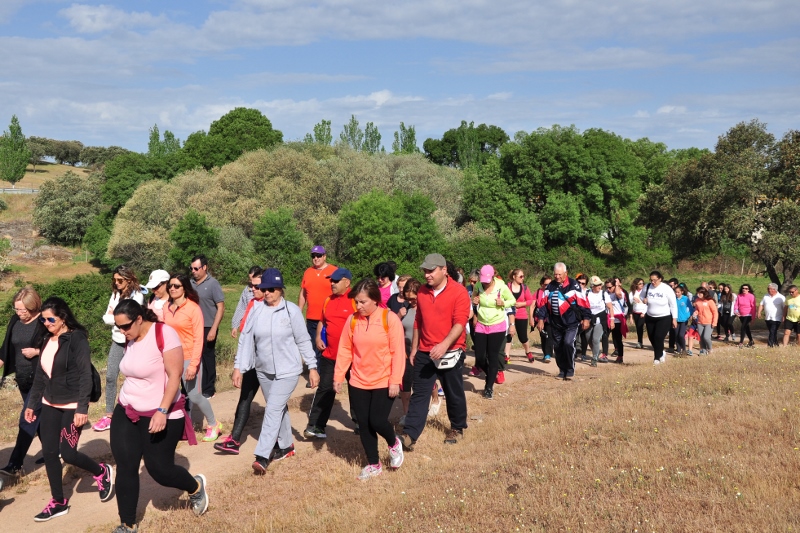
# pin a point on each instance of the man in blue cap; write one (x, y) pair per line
(336, 310)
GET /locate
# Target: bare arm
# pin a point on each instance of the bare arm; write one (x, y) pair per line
(173, 365)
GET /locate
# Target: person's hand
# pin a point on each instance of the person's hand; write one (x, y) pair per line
(402, 312)
(212, 334)
(476, 300)
(611, 326)
(236, 377)
(438, 351)
(29, 416)
(190, 373)
(313, 377)
(320, 345)
(79, 420)
(337, 386)
(637, 299)
(411, 357)
(394, 391)
(540, 325)
(585, 324)
(499, 301)
(674, 323)
(512, 329)
(234, 332)
(158, 422)
(30, 353)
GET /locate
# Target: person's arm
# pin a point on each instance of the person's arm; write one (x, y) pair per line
(219, 299)
(318, 340)
(397, 351)
(108, 318)
(414, 344)
(198, 331)
(302, 299)
(714, 314)
(760, 309)
(35, 395)
(173, 366)
(238, 313)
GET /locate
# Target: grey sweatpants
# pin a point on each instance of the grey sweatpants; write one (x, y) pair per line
(705, 330)
(276, 426)
(596, 336)
(192, 387)
(115, 354)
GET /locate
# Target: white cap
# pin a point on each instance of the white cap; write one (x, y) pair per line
(157, 277)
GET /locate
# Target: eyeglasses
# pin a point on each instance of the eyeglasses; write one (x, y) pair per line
(271, 289)
(23, 310)
(609, 287)
(411, 300)
(316, 256)
(119, 280)
(175, 286)
(195, 269)
(50, 319)
(125, 327)
(582, 282)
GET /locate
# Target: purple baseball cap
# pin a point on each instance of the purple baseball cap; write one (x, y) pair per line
(318, 250)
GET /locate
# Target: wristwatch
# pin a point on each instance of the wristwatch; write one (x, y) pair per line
(162, 410)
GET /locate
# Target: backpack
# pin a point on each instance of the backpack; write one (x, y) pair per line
(97, 387)
(354, 319)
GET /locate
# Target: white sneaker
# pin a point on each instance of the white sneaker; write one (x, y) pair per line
(370, 471)
(396, 454)
(663, 359)
(656, 361)
(433, 410)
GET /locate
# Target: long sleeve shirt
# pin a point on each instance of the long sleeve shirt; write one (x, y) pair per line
(376, 357)
(745, 305)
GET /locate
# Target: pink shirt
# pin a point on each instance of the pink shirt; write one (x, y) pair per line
(386, 293)
(745, 305)
(48, 356)
(145, 376)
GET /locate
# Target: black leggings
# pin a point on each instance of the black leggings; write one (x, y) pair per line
(372, 408)
(521, 325)
(616, 335)
(638, 321)
(745, 320)
(59, 435)
(129, 443)
(726, 320)
(488, 353)
(250, 387)
(680, 336)
(657, 329)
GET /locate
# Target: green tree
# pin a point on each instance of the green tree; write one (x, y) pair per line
(158, 148)
(38, 151)
(14, 153)
(96, 156)
(280, 244)
(405, 140)
(322, 134)
(97, 236)
(352, 135)
(66, 206)
(192, 236)
(372, 139)
(465, 146)
(67, 152)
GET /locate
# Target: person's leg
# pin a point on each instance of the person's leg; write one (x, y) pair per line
(605, 339)
(745, 329)
(481, 346)
(522, 333)
(405, 390)
(70, 435)
(127, 440)
(558, 338)
(248, 391)
(276, 426)
(455, 399)
(596, 333)
(50, 434)
(379, 408)
(663, 326)
(209, 365)
(324, 396)
(548, 339)
(616, 335)
(787, 333)
(159, 457)
(115, 353)
(671, 339)
(772, 328)
(568, 349)
(361, 400)
(192, 387)
(493, 355)
(424, 377)
(680, 337)
(25, 435)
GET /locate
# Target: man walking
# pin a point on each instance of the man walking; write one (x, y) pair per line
(562, 302)
(315, 287)
(436, 351)
(212, 303)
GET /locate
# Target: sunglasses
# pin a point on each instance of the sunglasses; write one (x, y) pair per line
(195, 269)
(316, 256)
(50, 319)
(609, 287)
(125, 327)
(175, 286)
(270, 290)
(119, 280)
(411, 300)
(582, 282)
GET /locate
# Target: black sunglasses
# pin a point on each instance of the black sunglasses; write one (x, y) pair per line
(175, 286)
(316, 256)
(50, 319)
(125, 327)
(195, 269)
(271, 289)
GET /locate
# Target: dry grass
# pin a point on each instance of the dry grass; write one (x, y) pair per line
(695, 445)
(44, 172)
(20, 207)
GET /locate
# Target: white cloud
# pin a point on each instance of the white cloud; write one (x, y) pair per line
(671, 110)
(96, 19)
(641, 114)
(297, 78)
(500, 96)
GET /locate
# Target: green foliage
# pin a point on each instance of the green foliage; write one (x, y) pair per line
(191, 236)
(5, 252)
(352, 135)
(66, 152)
(3, 205)
(322, 134)
(466, 146)
(38, 151)
(66, 206)
(234, 256)
(372, 139)
(158, 148)
(97, 236)
(124, 173)
(280, 244)
(14, 153)
(96, 156)
(380, 226)
(405, 140)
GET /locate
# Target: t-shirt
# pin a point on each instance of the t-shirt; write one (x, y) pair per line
(210, 294)
(337, 311)
(395, 305)
(408, 327)
(386, 293)
(48, 356)
(793, 313)
(773, 306)
(640, 307)
(156, 305)
(317, 287)
(145, 376)
(661, 301)
(597, 302)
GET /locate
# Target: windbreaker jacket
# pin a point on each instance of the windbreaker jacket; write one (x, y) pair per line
(71, 379)
(376, 357)
(564, 305)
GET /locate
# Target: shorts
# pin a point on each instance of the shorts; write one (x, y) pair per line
(788, 325)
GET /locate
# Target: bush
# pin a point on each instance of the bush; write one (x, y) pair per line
(66, 206)
(5, 252)
(231, 261)
(192, 236)
(3, 205)
(279, 244)
(97, 236)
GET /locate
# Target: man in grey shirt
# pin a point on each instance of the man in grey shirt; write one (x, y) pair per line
(212, 303)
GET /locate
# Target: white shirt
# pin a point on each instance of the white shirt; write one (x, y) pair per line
(773, 306)
(640, 307)
(661, 301)
(597, 302)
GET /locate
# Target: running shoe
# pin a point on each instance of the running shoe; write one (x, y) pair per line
(614, 353)
(546, 359)
(370, 471)
(199, 500)
(656, 362)
(663, 359)
(228, 445)
(593, 363)
(212, 432)
(408, 442)
(122, 528)
(11, 470)
(396, 454)
(433, 410)
(475, 372)
(689, 353)
(501, 377)
(105, 482)
(529, 355)
(561, 375)
(639, 345)
(569, 374)
(52, 510)
(313, 432)
(488, 394)
(282, 453)
(104, 424)
(260, 465)
(453, 436)
(603, 358)
(619, 360)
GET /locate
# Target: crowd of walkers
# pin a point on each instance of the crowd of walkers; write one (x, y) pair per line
(386, 338)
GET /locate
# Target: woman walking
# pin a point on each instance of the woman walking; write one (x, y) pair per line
(619, 313)
(601, 307)
(19, 355)
(376, 359)
(705, 311)
(150, 417)
(61, 389)
(183, 314)
(725, 305)
(661, 315)
(124, 285)
(273, 341)
(638, 309)
(745, 309)
(159, 295)
(523, 310)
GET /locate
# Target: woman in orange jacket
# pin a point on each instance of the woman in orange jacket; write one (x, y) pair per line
(705, 311)
(372, 346)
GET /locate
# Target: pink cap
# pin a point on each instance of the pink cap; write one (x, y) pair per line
(487, 273)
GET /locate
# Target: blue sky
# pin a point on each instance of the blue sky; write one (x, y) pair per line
(680, 72)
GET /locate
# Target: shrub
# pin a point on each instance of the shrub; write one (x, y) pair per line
(5, 252)
(233, 258)
(279, 244)
(66, 206)
(3, 205)
(97, 236)
(192, 236)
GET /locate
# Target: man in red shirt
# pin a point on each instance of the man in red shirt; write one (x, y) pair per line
(437, 351)
(314, 289)
(336, 310)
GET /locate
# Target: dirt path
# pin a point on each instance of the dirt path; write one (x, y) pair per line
(22, 501)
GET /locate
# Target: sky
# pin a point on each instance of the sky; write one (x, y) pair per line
(681, 72)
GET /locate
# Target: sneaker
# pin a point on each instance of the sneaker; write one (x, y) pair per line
(501, 377)
(396, 454)
(546, 359)
(228, 445)
(440, 392)
(656, 362)
(104, 424)
(663, 359)
(603, 358)
(488, 394)
(561, 375)
(408, 442)
(639, 345)
(453, 436)
(614, 353)
(703, 352)
(433, 410)
(569, 374)
(593, 363)
(370, 471)
(689, 353)
(199, 500)
(529, 355)
(402, 421)
(619, 360)
(260, 465)
(751, 344)
(726, 339)
(508, 358)
(105, 482)
(212, 432)
(11, 470)
(53, 509)
(313, 432)
(475, 372)
(122, 528)
(282, 453)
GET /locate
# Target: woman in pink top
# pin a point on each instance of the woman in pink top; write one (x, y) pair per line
(745, 309)
(150, 417)
(524, 310)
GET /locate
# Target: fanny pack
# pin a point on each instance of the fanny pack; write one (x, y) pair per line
(448, 360)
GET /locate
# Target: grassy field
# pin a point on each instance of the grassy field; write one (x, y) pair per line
(44, 172)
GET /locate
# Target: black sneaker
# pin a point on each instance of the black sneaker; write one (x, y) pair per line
(199, 500)
(11, 470)
(228, 446)
(453, 436)
(122, 528)
(105, 482)
(488, 394)
(561, 375)
(260, 465)
(408, 442)
(282, 453)
(313, 432)
(53, 509)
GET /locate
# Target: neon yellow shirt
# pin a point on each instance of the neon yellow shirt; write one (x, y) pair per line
(793, 314)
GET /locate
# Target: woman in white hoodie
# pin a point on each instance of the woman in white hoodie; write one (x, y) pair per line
(124, 285)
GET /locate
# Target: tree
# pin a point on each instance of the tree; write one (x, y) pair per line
(280, 244)
(67, 152)
(405, 140)
(157, 148)
(466, 146)
(372, 139)
(322, 134)
(192, 236)
(66, 206)
(96, 156)
(352, 135)
(14, 153)
(38, 151)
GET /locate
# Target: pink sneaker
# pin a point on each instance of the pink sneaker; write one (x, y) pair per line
(104, 424)
(475, 372)
(213, 432)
